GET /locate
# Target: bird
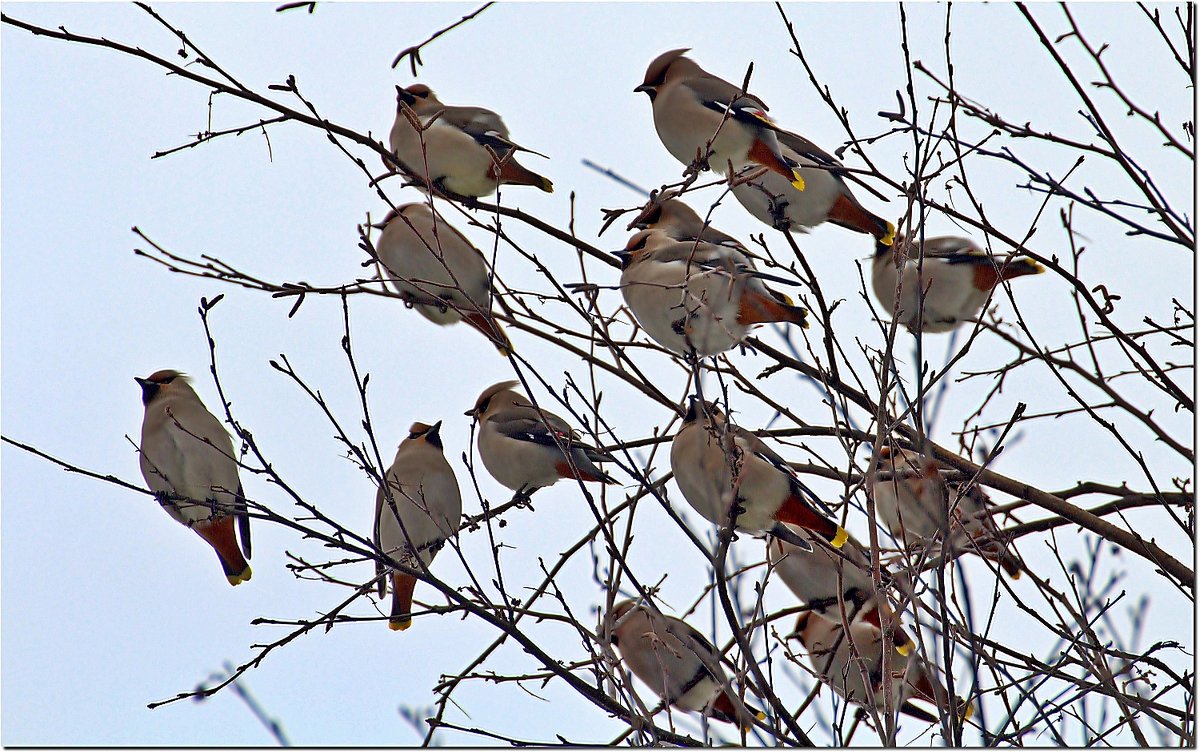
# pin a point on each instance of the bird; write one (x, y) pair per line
(841, 664)
(777, 202)
(678, 221)
(525, 448)
(696, 297)
(677, 662)
(436, 270)
(463, 150)
(917, 506)
(416, 511)
(716, 463)
(949, 287)
(187, 459)
(692, 108)
(824, 579)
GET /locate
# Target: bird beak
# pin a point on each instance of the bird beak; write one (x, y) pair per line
(378, 225)
(624, 256)
(433, 430)
(647, 89)
(470, 413)
(149, 389)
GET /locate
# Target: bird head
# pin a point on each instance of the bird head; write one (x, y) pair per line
(619, 610)
(493, 397)
(656, 74)
(639, 246)
(424, 432)
(155, 384)
(702, 409)
(414, 95)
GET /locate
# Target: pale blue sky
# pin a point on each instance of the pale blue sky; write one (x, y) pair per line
(108, 605)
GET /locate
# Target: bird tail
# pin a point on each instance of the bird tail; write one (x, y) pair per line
(996, 552)
(512, 172)
(725, 709)
(220, 536)
(1022, 266)
(761, 153)
(798, 512)
(756, 308)
(583, 469)
(850, 214)
(900, 639)
(487, 324)
(924, 688)
(403, 586)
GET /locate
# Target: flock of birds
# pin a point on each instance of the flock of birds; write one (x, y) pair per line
(697, 292)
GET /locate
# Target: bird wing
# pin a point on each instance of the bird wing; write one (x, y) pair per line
(243, 520)
(486, 127)
(718, 94)
(513, 424)
(806, 148)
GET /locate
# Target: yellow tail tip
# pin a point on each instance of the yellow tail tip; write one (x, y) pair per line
(798, 182)
(240, 578)
(889, 237)
(969, 711)
(402, 624)
(1037, 268)
(904, 649)
(547, 186)
(840, 538)
(760, 716)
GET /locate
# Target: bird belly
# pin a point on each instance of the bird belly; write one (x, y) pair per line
(516, 464)
(449, 156)
(683, 136)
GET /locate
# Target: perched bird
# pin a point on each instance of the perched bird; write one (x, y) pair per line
(777, 202)
(465, 150)
(435, 269)
(525, 449)
(417, 510)
(818, 576)
(698, 297)
(953, 283)
(188, 462)
(917, 506)
(841, 664)
(693, 108)
(677, 662)
(678, 221)
(716, 463)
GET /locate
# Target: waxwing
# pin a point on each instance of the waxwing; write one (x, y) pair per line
(678, 221)
(436, 270)
(465, 151)
(418, 509)
(704, 457)
(698, 297)
(916, 505)
(819, 575)
(778, 202)
(842, 662)
(677, 662)
(956, 280)
(525, 448)
(188, 461)
(690, 107)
